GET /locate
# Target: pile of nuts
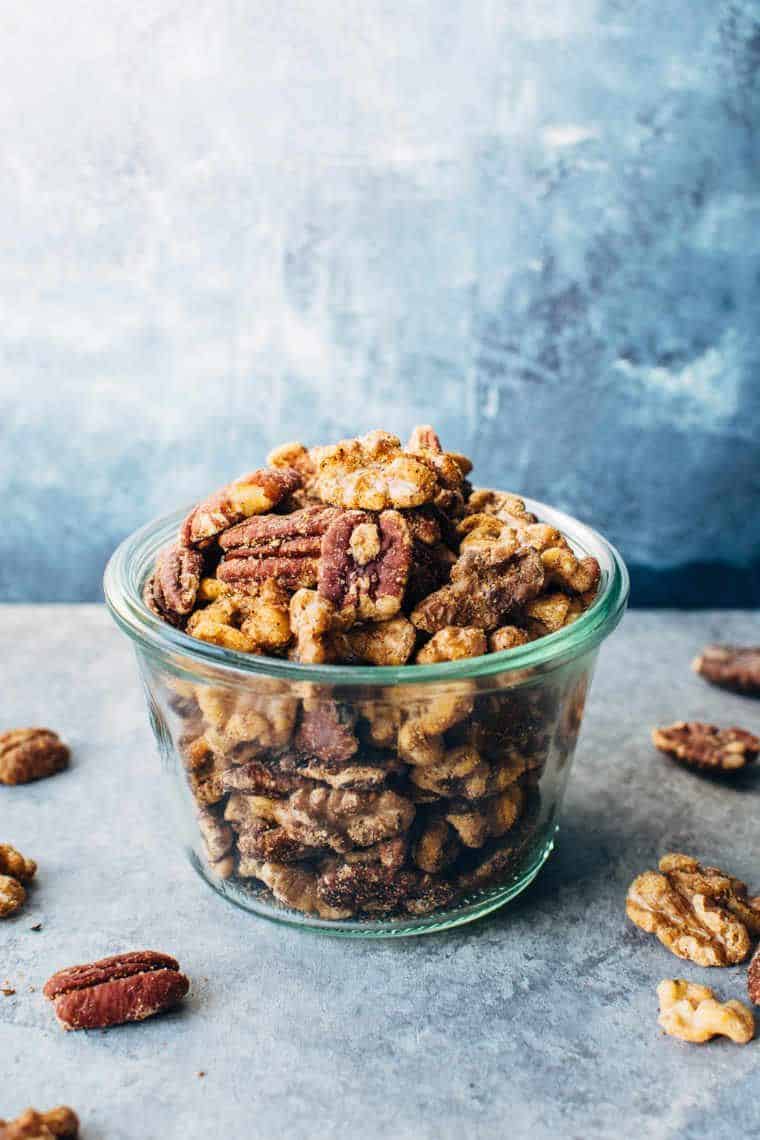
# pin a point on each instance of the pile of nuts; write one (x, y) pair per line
(367, 552)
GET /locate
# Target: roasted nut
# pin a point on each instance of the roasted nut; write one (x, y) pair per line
(327, 731)
(503, 505)
(12, 896)
(453, 643)
(338, 819)
(253, 494)
(296, 886)
(59, 1123)
(30, 754)
(732, 666)
(690, 1012)
(474, 823)
(378, 643)
(312, 619)
(173, 589)
(698, 913)
(486, 585)
(753, 974)
(462, 772)
(437, 846)
(508, 637)
(579, 576)
(707, 747)
(282, 547)
(364, 565)
(12, 862)
(217, 839)
(547, 613)
(373, 473)
(125, 987)
(256, 622)
(375, 889)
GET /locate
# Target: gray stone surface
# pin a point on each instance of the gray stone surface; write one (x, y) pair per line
(539, 1021)
(227, 223)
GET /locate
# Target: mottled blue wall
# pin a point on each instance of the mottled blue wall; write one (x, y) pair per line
(535, 222)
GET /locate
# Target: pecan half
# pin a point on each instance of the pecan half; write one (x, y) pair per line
(373, 473)
(125, 987)
(30, 754)
(731, 666)
(753, 974)
(365, 564)
(707, 747)
(285, 547)
(690, 1012)
(698, 913)
(486, 585)
(60, 1123)
(172, 591)
(252, 494)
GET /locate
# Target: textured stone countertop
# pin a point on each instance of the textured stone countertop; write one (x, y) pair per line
(539, 1021)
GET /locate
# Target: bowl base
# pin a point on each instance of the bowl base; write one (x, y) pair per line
(258, 900)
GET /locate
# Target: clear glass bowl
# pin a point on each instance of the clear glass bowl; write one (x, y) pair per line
(438, 787)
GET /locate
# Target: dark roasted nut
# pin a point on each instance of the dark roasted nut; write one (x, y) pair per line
(175, 581)
(283, 547)
(486, 585)
(59, 1123)
(258, 778)
(30, 754)
(253, 494)
(373, 473)
(731, 666)
(753, 973)
(326, 731)
(451, 644)
(698, 913)
(273, 844)
(477, 822)
(375, 889)
(12, 896)
(125, 987)
(365, 564)
(377, 643)
(707, 747)
(436, 847)
(12, 862)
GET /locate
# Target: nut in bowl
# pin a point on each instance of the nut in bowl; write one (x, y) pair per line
(367, 680)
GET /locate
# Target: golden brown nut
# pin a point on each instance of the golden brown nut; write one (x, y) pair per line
(698, 913)
(30, 754)
(59, 1123)
(12, 896)
(12, 862)
(690, 1012)
(475, 823)
(508, 637)
(453, 643)
(373, 473)
(377, 643)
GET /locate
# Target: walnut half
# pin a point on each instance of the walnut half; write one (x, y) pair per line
(691, 1012)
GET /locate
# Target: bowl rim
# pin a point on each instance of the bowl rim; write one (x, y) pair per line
(129, 565)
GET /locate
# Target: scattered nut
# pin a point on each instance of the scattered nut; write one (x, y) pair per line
(30, 754)
(691, 1013)
(698, 913)
(12, 896)
(125, 987)
(59, 1123)
(753, 974)
(706, 747)
(12, 862)
(731, 666)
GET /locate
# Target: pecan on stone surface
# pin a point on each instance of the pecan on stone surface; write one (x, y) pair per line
(59, 1123)
(172, 591)
(111, 991)
(30, 754)
(364, 565)
(691, 1013)
(373, 473)
(252, 494)
(753, 974)
(731, 666)
(282, 547)
(698, 913)
(707, 747)
(486, 585)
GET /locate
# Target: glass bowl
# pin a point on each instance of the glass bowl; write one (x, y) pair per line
(363, 800)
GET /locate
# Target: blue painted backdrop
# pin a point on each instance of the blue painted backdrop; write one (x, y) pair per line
(534, 222)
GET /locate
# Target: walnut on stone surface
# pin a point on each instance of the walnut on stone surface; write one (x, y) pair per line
(706, 747)
(731, 666)
(690, 1012)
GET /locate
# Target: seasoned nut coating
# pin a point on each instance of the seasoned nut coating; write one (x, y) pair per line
(12, 862)
(282, 547)
(365, 563)
(125, 987)
(732, 666)
(707, 747)
(253, 494)
(376, 643)
(690, 1012)
(698, 913)
(174, 587)
(373, 473)
(753, 975)
(30, 754)
(59, 1123)
(12, 896)
(486, 585)
(452, 643)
